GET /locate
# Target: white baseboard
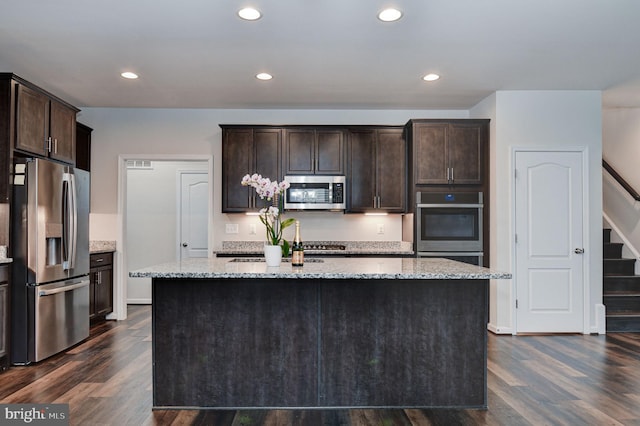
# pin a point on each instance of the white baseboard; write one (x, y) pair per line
(601, 320)
(499, 330)
(138, 301)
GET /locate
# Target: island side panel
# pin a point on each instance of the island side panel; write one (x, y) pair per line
(404, 343)
(234, 343)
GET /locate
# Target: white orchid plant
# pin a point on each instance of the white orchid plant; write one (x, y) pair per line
(271, 216)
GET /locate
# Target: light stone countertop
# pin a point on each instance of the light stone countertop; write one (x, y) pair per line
(101, 246)
(323, 268)
(252, 248)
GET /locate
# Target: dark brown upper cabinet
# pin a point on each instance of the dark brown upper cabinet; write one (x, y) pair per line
(376, 164)
(448, 152)
(309, 151)
(44, 126)
(248, 150)
(83, 147)
(28, 117)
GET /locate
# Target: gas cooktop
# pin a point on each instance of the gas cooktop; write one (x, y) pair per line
(320, 246)
(261, 259)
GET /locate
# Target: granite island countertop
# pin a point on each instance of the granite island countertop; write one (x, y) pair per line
(323, 268)
(348, 248)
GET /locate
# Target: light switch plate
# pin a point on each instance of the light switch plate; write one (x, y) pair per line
(231, 228)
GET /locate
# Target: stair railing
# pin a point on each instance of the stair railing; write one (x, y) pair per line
(621, 180)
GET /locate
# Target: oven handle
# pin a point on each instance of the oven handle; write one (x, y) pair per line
(450, 205)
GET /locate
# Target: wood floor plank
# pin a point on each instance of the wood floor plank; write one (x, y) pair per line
(503, 373)
(589, 414)
(532, 380)
(122, 379)
(417, 417)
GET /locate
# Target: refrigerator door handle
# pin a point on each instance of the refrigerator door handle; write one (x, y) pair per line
(70, 220)
(74, 222)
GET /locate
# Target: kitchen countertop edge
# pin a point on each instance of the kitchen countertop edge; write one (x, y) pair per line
(331, 268)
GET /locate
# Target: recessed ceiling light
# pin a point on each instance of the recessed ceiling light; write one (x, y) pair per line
(130, 75)
(389, 15)
(431, 77)
(249, 13)
(264, 76)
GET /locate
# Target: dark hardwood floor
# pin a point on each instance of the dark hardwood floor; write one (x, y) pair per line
(533, 380)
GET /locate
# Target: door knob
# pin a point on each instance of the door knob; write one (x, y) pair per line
(185, 244)
(579, 251)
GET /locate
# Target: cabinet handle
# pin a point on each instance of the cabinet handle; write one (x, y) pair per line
(48, 142)
(452, 178)
(55, 146)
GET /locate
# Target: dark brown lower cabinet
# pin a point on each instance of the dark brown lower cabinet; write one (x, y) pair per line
(101, 288)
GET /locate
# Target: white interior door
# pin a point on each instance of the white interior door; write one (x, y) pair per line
(193, 215)
(549, 242)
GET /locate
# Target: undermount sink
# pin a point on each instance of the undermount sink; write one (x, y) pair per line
(261, 259)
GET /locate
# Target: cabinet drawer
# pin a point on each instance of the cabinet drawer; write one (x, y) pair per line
(101, 259)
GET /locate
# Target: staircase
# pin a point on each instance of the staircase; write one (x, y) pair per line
(621, 288)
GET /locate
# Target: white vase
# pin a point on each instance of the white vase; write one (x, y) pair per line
(272, 255)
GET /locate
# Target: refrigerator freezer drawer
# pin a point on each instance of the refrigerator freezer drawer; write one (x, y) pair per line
(61, 317)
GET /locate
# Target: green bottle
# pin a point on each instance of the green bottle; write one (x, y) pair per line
(297, 250)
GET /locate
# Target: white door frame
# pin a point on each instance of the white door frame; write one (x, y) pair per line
(584, 152)
(121, 272)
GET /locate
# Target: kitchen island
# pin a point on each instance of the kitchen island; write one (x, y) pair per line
(337, 332)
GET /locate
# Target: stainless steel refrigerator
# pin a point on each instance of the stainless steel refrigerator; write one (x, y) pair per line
(50, 250)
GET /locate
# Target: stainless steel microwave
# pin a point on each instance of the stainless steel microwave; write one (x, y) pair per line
(315, 193)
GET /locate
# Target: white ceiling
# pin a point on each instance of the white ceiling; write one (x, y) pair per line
(323, 53)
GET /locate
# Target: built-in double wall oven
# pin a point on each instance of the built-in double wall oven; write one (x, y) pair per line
(449, 224)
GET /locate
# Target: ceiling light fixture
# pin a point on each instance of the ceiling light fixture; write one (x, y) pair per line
(389, 15)
(249, 14)
(264, 76)
(431, 77)
(130, 75)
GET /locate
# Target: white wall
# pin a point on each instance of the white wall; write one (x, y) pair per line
(499, 290)
(621, 149)
(151, 220)
(542, 119)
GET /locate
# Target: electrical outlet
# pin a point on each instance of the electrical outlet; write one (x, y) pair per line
(231, 228)
(381, 228)
(252, 228)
